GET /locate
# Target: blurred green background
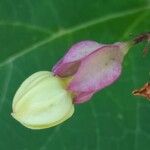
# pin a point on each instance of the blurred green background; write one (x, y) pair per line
(35, 34)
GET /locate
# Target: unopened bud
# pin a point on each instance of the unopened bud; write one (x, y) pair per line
(42, 101)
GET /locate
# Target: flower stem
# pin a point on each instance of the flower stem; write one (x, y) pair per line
(140, 38)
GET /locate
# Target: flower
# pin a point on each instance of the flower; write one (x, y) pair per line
(42, 101)
(46, 99)
(92, 66)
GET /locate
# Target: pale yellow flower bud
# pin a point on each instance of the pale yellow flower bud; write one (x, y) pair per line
(42, 101)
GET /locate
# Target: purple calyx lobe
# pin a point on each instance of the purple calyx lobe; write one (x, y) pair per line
(93, 66)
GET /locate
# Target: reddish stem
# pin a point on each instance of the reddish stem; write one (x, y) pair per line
(141, 38)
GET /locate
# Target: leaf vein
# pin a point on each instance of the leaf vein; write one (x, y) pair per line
(71, 30)
(6, 84)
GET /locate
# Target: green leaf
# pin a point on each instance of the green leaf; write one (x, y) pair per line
(34, 35)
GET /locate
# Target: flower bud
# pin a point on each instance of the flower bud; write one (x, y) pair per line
(42, 101)
(92, 66)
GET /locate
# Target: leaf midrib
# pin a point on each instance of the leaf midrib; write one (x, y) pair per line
(69, 31)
